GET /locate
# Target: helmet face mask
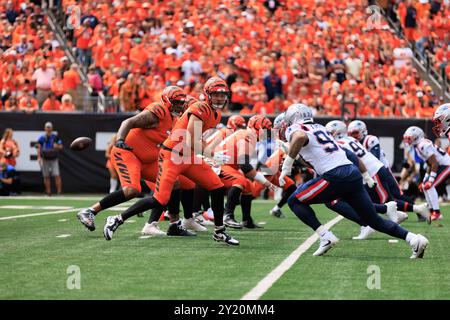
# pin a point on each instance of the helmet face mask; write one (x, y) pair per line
(219, 100)
(357, 129)
(236, 122)
(174, 99)
(413, 135)
(217, 93)
(261, 126)
(177, 107)
(337, 128)
(280, 126)
(441, 120)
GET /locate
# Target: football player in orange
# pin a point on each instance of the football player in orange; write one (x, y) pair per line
(201, 196)
(135, 156)
(234, 123)
(272, 170)
(236, 174)
(182, 153)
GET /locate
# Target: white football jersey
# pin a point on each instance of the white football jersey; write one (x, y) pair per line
(369, 142)
(321, 152)
(371, 162)
(425, 149)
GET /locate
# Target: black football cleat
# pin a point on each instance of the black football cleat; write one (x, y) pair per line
(177, 230)
(249, 224)
(220, 235)
(87, 217)
(229, 221)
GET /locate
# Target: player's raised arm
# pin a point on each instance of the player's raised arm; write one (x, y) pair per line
(145, 120)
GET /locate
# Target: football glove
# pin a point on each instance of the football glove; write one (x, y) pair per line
(220, 158)
(368, 180)
(122, 145)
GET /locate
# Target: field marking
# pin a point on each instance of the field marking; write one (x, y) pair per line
(63, 220)
(15, 207)
(63, 236)
(39, 214)
(275, 274)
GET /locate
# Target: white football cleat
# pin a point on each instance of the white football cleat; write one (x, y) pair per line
(402, 216)
(418, 244)
(328, 241)
(190, 224)
(365, 233)
(394, 215)
(152, 229)
(422, 209)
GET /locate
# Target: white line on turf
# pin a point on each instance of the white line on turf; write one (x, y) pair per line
(275, 274)
(63, 236)
(36, 207)
(62, 220)
(40, 214)
(145, 237)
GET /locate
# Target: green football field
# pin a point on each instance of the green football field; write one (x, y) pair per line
(45, 252)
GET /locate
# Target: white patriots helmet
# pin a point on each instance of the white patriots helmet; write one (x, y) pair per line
(357, 129)
(441, 120)
(413, 135)
(280, 125)
(298, 112)
(337, 128)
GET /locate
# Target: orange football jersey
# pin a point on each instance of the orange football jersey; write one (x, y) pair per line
(220, 135)
(240, 143)
(145, 142)
(209, 117)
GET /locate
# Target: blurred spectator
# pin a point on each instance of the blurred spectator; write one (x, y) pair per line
(128, 94)
(9, 179)
(12, 104)
(57, 85)
(191, 68)
(71, 80)
(28, 103)
(273, 85)
(48, 147)
(402, 55)
(51, 104)
(83, 37)
(43, 77)
(239, 90)
(9, 147)
(66, 104)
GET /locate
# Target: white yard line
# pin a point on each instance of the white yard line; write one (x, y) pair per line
(272, 277)
(14, 207)
(39, 214)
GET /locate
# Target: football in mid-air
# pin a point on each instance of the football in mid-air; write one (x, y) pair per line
(80, 143)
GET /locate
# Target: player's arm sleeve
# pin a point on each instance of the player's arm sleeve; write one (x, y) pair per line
(376, 151)
(201, 111)
(351, 156)
(157, 110)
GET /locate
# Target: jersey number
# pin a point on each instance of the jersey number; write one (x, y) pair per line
(357, 149)
(442, 152)
(328, 143)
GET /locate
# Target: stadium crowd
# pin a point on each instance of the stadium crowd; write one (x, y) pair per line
(271, 53)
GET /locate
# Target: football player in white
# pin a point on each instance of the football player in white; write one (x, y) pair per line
(337, 178)
(438, 162)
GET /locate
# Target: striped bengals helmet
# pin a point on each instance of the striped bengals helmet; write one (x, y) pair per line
(216, 85)
(174, 99)
(259, 124)
(236, 121)
(190, 100)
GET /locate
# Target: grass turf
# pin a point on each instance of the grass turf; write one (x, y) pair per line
(34, 261)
